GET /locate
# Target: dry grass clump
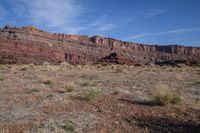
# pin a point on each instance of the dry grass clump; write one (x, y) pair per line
(162, 96)
(69, 88)
(91, 95)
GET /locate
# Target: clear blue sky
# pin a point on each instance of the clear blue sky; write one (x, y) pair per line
(144, 21)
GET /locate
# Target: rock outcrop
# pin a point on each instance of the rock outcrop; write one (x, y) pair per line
(31, 45)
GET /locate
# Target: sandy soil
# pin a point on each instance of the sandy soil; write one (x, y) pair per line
(47, 99)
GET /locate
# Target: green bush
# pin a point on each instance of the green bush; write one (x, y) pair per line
(198, 65)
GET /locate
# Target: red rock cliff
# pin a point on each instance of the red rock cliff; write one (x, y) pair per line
(31, 45)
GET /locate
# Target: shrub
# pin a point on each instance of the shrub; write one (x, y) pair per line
(197, 82)
(198, 65)
(176, 99)
(47, 82)
(69, 88)
(85, 84)
(2, 79)
(69, 127)
(50, 96)
(163, 99)
(116, 92)
(34, 90)
(91, 95)
(88, 84)
(23, 69)
(162, 96)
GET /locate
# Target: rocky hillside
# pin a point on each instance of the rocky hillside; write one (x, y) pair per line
(31, 45)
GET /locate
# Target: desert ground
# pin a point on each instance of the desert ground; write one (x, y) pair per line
(98, 99)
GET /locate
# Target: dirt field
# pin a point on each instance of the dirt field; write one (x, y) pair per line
(113, 99)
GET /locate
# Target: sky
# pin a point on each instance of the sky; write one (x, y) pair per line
(144, 21)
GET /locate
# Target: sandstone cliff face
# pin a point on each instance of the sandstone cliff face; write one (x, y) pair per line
(31, 45)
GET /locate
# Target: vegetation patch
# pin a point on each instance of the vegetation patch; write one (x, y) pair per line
(23, 69)
(88, 84)
(34, 90)
(116, 92)
(163, 97)
(91, 95)
(47, 82)
(198, 65)
(197, 82)
(2, 79)
(69, 88)
(69, 127)
(49, 96)
(163, 100)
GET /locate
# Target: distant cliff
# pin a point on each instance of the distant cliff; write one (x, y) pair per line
(31, 45)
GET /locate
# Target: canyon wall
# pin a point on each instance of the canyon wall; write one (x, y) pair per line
(30, 45)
